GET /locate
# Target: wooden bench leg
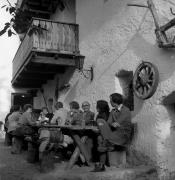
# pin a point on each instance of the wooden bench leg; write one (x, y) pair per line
(8, 139)
(81, 144)
(75, 154)
(16, 145)
(32, 154)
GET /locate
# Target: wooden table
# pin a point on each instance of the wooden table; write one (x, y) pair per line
(79, 135)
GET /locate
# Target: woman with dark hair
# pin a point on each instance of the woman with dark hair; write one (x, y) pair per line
(102, 109)
(103, 113)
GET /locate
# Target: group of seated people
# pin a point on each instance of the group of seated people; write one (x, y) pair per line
(114, 126)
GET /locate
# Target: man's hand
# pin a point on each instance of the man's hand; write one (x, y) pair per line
(115, 125)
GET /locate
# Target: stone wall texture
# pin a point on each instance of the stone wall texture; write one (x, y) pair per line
(114, 36)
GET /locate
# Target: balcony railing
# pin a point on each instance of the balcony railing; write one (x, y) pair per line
(48, 37)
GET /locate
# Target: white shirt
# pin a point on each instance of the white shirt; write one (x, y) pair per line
(59, 117)
(13, 121)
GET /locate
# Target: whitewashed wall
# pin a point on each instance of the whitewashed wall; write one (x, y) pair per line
(114, 36)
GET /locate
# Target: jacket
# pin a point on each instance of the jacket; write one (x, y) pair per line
(121, 134)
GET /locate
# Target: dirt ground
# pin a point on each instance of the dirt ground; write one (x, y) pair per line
(15, 167)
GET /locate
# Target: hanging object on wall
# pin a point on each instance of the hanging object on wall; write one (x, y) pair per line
(42, 92)
(145, 80)
(87, 73)
(50, 104)
(162, 39)
(57, 90)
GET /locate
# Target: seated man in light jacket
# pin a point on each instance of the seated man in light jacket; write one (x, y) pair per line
(25, 126)
(53, 135)
(60, 115)
(13, 119)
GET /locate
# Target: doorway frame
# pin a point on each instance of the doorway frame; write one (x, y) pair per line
(20, 94)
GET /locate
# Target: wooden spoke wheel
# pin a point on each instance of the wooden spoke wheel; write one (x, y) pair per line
(145, 80)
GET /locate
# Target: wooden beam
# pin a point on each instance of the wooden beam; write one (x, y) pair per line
(32, 78)
(161, 36)
(22, 67)
(152, 9)
(154, 13)
(28, 83)
(168, 25)
(46, 67)
(39, 11)
(30, 71)
(31, 81)
(16, 85)
(167, 45)
(35, 3)
(27, 86)
(39, 75)
(40, 72)
(138, 5)
(52, 61)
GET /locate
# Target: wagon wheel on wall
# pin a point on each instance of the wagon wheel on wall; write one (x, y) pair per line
(145, 80)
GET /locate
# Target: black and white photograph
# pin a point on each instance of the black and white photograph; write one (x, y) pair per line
(87, 90)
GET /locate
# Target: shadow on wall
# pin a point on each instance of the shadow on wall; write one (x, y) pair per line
(169, 103)
(164, 59)
(125, 79)
(71, 94)
(66, 76)
(138, 104)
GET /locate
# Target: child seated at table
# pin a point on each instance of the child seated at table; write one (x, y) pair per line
(54, 135)
(43, 117)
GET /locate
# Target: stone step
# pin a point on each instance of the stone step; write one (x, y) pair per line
(111, 173)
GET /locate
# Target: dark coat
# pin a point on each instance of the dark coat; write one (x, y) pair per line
(122, 134)
(75, 117)
(88, 117)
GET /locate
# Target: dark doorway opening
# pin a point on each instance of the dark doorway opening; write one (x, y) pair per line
(21, 99)
(125, 78)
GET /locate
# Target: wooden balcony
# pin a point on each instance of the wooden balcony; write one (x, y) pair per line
(47, 48)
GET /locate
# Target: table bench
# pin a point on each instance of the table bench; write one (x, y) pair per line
(79, 135)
